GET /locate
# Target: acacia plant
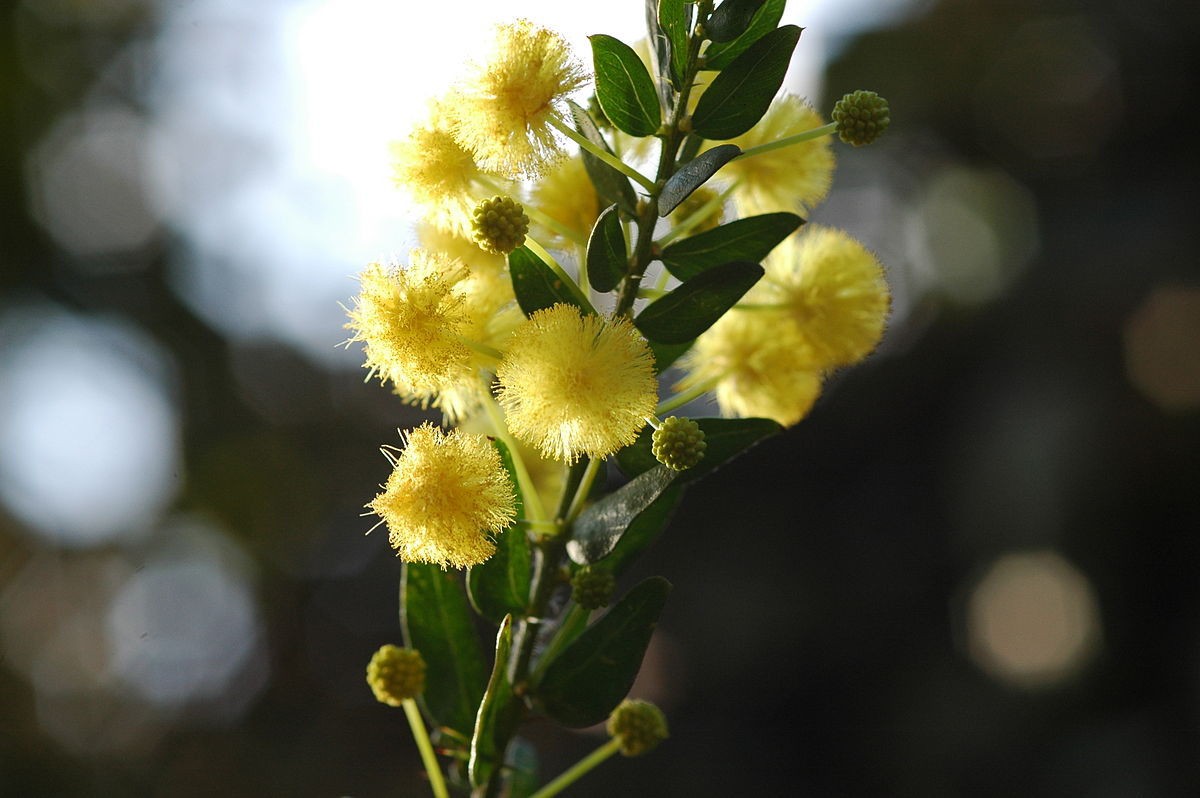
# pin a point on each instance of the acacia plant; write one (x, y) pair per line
(588, 264)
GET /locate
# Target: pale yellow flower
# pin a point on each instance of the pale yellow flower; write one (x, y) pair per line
(576, 385)
(447, 495)
(503, 108)
(793, 179)
(565, 194)
(460, 247)
(759, 366)
(833, 289)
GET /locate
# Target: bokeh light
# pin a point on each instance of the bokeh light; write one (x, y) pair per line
(1162, 348)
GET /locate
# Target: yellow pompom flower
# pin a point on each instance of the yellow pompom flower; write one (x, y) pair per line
(503, 108)
(447, 495)
(792, 179)
(834, 290)
(576, 385)
(758, 367)
(461, 247)
(565, 194)
(437, 172)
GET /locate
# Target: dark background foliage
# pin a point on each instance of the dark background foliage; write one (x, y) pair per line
(818, 639)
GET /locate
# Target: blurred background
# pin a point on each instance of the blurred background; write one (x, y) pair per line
(973, 570)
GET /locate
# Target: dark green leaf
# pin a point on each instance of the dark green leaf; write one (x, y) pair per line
(696, 305)
(624, 87)
(499, 713)
(522, 769)
(611, 185)
(501, 584)
(607, 256)
(694, 174)
(591, 676)
(721, 54)
(741, 94)
(436, 621)
(731, 19)
(675, 19)
(644, 530)
(666, 354)
(535, 284)
(724, 439)
(745, 239)
(601, 525)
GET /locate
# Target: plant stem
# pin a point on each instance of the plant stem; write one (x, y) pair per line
(681, 399)
(580, 768)
(698, 216)
(568, 281)
(585, 487)
(601, 153)
(799, 138)
(529, 494)
(432, 768)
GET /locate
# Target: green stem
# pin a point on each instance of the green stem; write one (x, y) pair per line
(533, 502)
(650, 293)
(585, 487)
(799, 138)
(601, 153)
(417, 723)
(698, 216)
(483, 349)
(568, 281)
(579, 769)
(681, 399)
(761, 306)
(566, 628)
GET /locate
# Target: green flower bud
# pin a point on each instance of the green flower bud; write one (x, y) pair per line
(678, 443)
(395, 674)
(638, 726)
(499, 225)
(861, 117)
(592, 588)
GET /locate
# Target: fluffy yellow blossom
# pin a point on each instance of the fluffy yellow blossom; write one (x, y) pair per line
(834, 290)
(759, 367)
(460, 247)
(438, 173)
(566, 195)
(575, 385)
(503, 108)
(448, 493)
(794, 178)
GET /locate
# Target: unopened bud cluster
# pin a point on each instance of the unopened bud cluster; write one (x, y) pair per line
(861, 117)
(592, 588)
(638, 726)
(499, 225)
(396, 674)
(678, 443)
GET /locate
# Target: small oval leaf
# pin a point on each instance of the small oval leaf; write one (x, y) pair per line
(607, 254)
(624, 87)
(731, 19)
(611, 186)
(675, 19)
(600, 526)
(721, 54)
(499, 713)
(694, 174)
(696, 305)
(749, 239)
(591, 675)
(436, 621)
(535, 284)
(741, 94)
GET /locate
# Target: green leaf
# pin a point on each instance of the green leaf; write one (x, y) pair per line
(500, 585)
(611, 185)
(436, 621)
(535, 284)
(591, 676)
(694, 174)
(696, 305)
(624, 87)
(644, 530)
(749, 239)
(607, 255)
(499, 713)
(675, 18)
(731, 19)
(601, 525)
(666, 354)
(724, 439)
(721, 54)
(741, 94)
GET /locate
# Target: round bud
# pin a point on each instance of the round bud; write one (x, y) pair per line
(592, 588)
(861, 117)
(638, 726)
(499, 225)
(395, 674)
(678, 443)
